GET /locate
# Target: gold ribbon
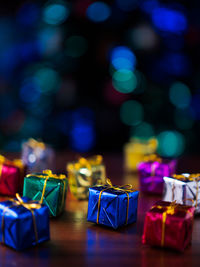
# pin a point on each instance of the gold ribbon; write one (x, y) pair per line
(46, 175)
(152, 157)
(31, 206)
(35, 144)
(169, 210)
(86, 163)
(16, 163)
(192, 177)
(124, 188)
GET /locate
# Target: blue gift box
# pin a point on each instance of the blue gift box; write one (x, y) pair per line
(21, 227)
(112, 210)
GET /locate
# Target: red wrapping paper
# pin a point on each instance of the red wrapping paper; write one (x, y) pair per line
(11, 178)
(178, 226)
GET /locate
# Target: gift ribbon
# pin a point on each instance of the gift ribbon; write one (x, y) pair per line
(48, 175)
(35, 144)
(31, 206)
(169, 210)
(124, 188)
(152, 158)
(86, 163)
(16, 163)
(192, 177)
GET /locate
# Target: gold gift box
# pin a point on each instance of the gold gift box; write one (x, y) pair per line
(84, 173)
(136, 150)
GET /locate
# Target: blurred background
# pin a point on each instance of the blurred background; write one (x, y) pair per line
(89, 75)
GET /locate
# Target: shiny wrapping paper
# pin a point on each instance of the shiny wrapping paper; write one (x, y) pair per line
(84, 174)
(135, 150)
(184, 190)
(53, 194)
(151, 175)
(37, 156)
(113, 207)
(175, 233)
(18, 228)
(11, 176)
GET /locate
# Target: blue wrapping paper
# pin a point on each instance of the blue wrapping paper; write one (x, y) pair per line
(18, 225)
(113, 207)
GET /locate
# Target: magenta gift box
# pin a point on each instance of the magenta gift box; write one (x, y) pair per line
(151, 174)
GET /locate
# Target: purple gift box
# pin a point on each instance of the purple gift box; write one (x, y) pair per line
(151, 173)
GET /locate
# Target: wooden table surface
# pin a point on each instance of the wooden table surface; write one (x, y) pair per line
(76, 242)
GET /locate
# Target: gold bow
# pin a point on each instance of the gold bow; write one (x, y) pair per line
(152, 157)
(86, 163)
(16, 163)
(46, 175)
(192, 177)
(124, 188)
(169, 210)
(35, 144)
(31, 206)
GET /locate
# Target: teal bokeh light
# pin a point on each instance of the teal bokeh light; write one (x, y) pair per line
(124, 81)
(131, 112)
(55, 13)
(180, 95)
(48, 80)
(144, 130)
(171, 144)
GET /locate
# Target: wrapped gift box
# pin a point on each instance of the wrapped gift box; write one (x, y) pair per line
(23, 223)
(48, 188)
(168, 225)
(11, 176)
(135, 150)
(151, 172)
(84, 174)
(37, 156)
(184, 189)
(112, 206)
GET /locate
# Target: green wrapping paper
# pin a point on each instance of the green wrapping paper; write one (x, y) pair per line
(84, 174)
(48, 188)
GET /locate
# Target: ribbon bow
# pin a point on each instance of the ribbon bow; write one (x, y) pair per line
(192, 177)
(35, 144)
(31, 206)
(86, 163)
(169, 210)
(124, 188)
(46, 174)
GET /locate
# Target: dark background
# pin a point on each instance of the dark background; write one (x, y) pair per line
(89, 75)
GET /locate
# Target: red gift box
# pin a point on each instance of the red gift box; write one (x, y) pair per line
(12, 175)
(168, 224)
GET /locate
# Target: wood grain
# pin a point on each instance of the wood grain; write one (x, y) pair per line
(76, 242)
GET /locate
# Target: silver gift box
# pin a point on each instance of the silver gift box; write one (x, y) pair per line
(183, 192)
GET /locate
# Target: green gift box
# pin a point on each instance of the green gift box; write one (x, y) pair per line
(48, 188)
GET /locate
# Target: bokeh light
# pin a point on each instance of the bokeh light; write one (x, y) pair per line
(48, 80)
(98, 11)
(143, 37)
(28, 14)
(124, 81)
(171, 143)
(143, 131)
(55, 13)
(169, 20)
(29, 91)
(131, 112)
(76, 46)
(180, 95)
(123, 58)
